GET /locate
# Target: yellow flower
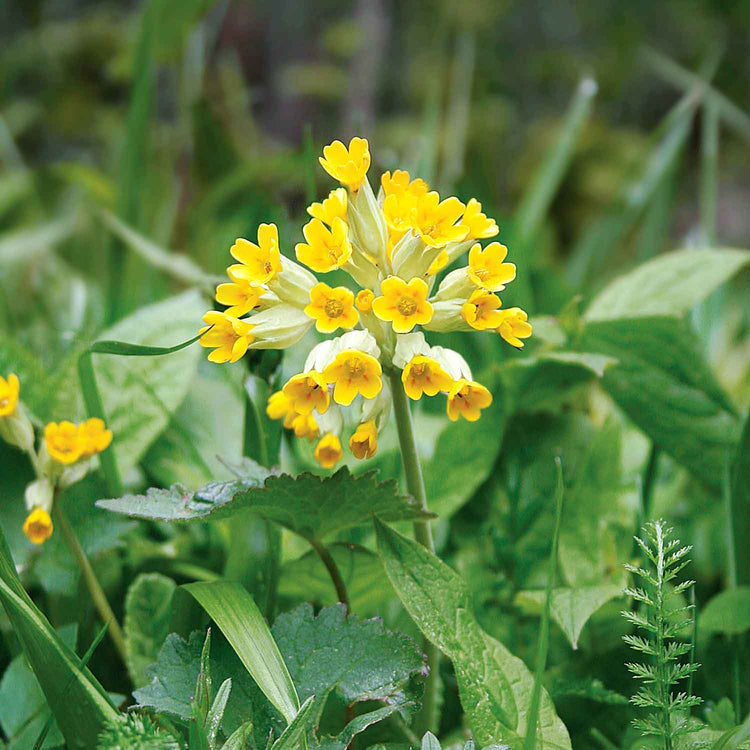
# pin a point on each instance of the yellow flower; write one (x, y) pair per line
(241, 296)
(64, 442)
(486, 268)
(404, 305)
(279, 406)
(353, 372)
(9, 395)
(228, 336)
(514, 326)
(479, 225)
(325, 248)
(424, 375)
(400, 182)
(435, 220)
(94, 436)
(332, 308)
(364, 442)
(261, 262)
(332, 207)
(364, 299)
(399, 211)
(466, 399)
(480, 310)
(348, 166)
(307, 391)
(439, 263)
(305, 426)
(328, 451)
(38, 526)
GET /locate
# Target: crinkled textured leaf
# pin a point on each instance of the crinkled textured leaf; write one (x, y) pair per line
(308, 505)
(495, 686)
(728, 612)
(670, 284)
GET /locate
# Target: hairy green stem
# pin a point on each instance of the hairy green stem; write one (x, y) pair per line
(428, 717)
(92, 582)
(333, 570)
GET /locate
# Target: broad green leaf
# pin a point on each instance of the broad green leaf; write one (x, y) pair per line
(495, 686)
(355, 726)
(235, 612)
(148, 606)
(663, 384)
(79, 703)
(294, 736)
(308, 505)
(430, 742)
(728, 612)
(571, 607)
(670, 284)
(740, 498)
(139, 394)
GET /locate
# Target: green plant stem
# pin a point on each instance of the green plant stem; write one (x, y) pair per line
(333, 571)
(663, 686)
(734, 640)
(92, 582)
(429, 714)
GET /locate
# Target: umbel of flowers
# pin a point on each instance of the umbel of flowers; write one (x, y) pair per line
(392, 245)
(64, 455)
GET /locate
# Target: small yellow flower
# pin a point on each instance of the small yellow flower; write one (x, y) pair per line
(334, 206)
(364, 442)
(38, 526)
(424, 375)
(435, 220)
(353, 372)
(9, 395)
(364, 299)
(348, 166)
(94, 436)
(480, 310)
(486, 268)
(399, 211)
(331, 308)
(240, 296)
(228, 336)
(467, 399)
(514, 326)
(439, 263)
(328, 451)
(261, 262)
(279, 406)
(305, 426)
(307, 391)
(400, 182)
(64, 442)
(404, 305)
(325, 248)
(479, 225)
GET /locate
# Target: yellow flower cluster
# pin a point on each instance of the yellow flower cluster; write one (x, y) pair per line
(393, 245)
(61, 460)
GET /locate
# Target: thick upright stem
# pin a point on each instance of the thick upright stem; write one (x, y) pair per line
(92, 582)
(428, 718)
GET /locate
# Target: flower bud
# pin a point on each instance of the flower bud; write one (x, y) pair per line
(407, 346)
(279, 327)
(367, 225)
(293, 284)
(446, 316)
(455, 286)
(38, 494)
(18, 430)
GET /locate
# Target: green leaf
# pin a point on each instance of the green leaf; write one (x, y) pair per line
(663, 384)
(294, 736)
(148, 606)
(740, 499)
(308, 505)
(728, 612)
(589, 688)
(495, 687)
(670, 284)
(234, 611)
(356, 726)
(571, 607)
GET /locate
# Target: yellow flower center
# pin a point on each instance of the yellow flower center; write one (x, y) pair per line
(4, 402)
(418, 370)
(406, 306)
(482, 273)
(267, 267)
(355, 366)
(334, 308)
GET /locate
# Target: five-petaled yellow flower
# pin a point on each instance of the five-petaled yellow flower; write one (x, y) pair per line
(514, 326)
(332, 308)
(353, 372)
(400, 182)
(228, 336)
(467, 399)
(94, 436)
(333, 207)
(305, 426)
(486, 268)
(307, 391)
(480, 310)
(364, 442)
(325, 249)
(279, 406)
(258, 263)
(347, 165)
(424, 375)
(240, 296)
(9, 390)
(64, 442)
(403, 305)
(479, 225)
(328, 451)
(364, 299)
(38, 526)
(435, 220)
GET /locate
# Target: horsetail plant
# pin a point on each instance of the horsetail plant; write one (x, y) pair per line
(662, 623)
